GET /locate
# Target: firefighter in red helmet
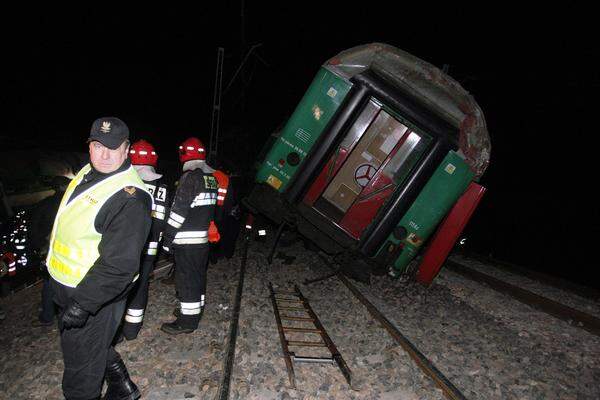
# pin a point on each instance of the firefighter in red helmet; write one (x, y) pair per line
(188, 231)
(144, 159)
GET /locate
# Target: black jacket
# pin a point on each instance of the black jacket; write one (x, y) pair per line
(124, 222)
(192, 210)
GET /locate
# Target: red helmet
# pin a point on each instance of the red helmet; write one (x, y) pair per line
(191, 149)
(142, 153)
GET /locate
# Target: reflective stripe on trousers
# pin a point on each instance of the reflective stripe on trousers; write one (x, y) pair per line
(134, 316)
(192, 308)
(191, 237)
(152, 248)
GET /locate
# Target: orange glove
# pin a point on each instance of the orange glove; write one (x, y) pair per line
(213, 233)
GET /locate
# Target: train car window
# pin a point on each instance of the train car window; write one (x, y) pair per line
(366, 158)
(362, 123)
(407, 155)
(390, 132)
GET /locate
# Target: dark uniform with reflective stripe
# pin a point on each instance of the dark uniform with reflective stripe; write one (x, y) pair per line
(124, 223)
(186, 234)
(138, 299)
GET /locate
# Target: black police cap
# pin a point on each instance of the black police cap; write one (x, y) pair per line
(110, 131)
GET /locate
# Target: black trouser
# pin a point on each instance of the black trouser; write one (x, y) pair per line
(191, 263)
(48, 308)
(229, 229)
(230, 235)
(87, 350)
(138, 298)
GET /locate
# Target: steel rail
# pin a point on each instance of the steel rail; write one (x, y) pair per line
(233, 328)
(449, 390)
(558, 310)
(554, 281)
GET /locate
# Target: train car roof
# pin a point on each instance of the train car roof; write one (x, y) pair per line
(429, 85)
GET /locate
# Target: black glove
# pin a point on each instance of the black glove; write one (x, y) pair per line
(74, 316)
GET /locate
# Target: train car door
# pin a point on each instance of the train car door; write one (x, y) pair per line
(373, 159)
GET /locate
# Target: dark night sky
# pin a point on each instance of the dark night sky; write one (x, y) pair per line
(535, 75)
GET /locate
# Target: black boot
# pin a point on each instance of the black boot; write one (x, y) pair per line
(120, 386)
(131, 331)
(183, 324)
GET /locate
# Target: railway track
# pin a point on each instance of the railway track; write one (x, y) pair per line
(233, 328)
(426, 366)
(282, 312)
(558, 283)
(378, 356)
(282, 305)
(560, 311)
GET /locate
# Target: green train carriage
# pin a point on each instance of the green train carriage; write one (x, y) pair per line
(382, 148)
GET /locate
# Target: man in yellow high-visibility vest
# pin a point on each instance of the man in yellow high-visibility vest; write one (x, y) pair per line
(100, 229)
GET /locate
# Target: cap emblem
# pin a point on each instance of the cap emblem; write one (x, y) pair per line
(105, 128)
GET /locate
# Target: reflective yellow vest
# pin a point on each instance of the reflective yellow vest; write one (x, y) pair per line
(74, 241)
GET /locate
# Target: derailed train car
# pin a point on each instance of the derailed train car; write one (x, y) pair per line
(382, 149)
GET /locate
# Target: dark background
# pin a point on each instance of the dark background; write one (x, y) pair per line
(534, 74)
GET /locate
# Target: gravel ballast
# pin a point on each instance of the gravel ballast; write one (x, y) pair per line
(487, 344)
